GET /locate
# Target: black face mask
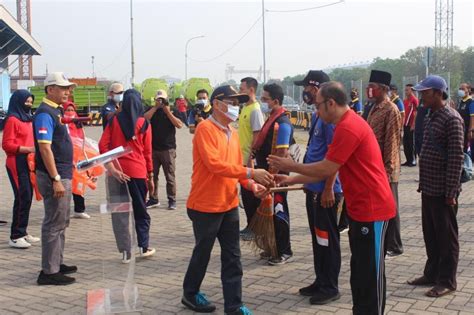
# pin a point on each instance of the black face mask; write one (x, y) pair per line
(26, 108)
(307, 97)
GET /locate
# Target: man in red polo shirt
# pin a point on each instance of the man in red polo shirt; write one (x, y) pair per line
(411, 105)
(355, 153)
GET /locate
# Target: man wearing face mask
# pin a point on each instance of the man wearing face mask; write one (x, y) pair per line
(217, 163)
(163, 126)
(114, 99)
(322, 200)
(262, 148)
(202, 110)
(250, 123)
(385, 121)
(466, 110)
(355, 103)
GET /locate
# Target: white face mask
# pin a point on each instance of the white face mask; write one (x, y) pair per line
(202, 102)
(232, 112)
(118, 98)
(461, 93)
(264, 107)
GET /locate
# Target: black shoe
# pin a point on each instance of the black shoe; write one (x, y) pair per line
(309, 290)
(321, 298)
(65, 269)
(412, 164)
(391, 253)
(54, 279)
(199, 303)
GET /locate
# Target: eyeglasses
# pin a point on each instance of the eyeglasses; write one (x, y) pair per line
(316, 104)
(229, 102)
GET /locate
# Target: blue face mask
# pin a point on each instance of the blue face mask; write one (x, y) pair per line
(118, 98)
(232, 112)
(264, 107)
(461, 93)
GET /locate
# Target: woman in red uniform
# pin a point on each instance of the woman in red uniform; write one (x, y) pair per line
(76, 131)
(129, 128)
(18, 143)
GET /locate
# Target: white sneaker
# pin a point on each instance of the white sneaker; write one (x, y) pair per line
(149, 252)
(81, 215)
(19, 243)
(32, 239)
(126, 256)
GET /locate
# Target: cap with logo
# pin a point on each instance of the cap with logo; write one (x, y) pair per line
(433, 82)
(314, 78)
(227, 91)
(116, 88)
(161, 94)
(59, 79)
(380, 77)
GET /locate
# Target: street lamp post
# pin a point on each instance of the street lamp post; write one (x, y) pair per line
(186, 55)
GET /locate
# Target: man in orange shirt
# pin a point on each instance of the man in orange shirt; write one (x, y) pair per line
(213, 202)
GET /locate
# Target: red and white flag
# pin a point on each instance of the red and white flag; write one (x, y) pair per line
(322, 237)
(43, 131)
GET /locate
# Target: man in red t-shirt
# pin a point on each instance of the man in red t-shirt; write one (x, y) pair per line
(355, 153)
(411, 105)
(182, 107)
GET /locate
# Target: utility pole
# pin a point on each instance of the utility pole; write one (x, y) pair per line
(93, 67)
(263, 29)
(132, 80)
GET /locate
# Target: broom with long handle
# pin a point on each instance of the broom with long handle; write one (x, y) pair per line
(262, 224)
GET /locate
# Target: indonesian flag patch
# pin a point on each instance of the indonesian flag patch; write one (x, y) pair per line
(322, 237)
(43, 131)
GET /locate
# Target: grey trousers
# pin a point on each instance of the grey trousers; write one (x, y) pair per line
(56, 219)
(393, 240)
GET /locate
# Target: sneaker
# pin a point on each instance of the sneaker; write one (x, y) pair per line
(65, 269)
(54, 279)
(265, 256)
(81, 215)
(281, 260)
(321, 298)
(392, 254)
(343, 229)
(199, 303)
(172, 205)
(247, 234)
(243, 310)
(19, 243)
(32, 239)
(126, 256)
(309, 290)
(147, 252)
(152, 203)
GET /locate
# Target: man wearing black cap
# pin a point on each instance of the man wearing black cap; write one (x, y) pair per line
(217, 163)
(322, 199)
(385, 121)
(441, 162)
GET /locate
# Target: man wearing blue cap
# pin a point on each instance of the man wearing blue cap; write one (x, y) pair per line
(440, 163)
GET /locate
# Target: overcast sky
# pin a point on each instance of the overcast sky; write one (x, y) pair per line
(70, 32)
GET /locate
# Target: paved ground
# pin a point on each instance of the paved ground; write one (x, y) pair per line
(267, 290)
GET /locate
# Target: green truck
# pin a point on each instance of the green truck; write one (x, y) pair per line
(88, 98)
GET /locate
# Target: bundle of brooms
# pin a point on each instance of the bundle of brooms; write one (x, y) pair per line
(262, 224)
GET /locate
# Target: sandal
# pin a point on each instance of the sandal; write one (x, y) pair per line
(438, 291)
(421, 281)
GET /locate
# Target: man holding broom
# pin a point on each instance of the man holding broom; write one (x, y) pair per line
(213, 202)
(355, 153)
(275, 135)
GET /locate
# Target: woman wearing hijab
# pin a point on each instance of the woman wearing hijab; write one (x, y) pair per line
(129, 128)
(17, 143)
(75, 131)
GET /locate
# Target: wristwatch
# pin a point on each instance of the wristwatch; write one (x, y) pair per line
(56, 178)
